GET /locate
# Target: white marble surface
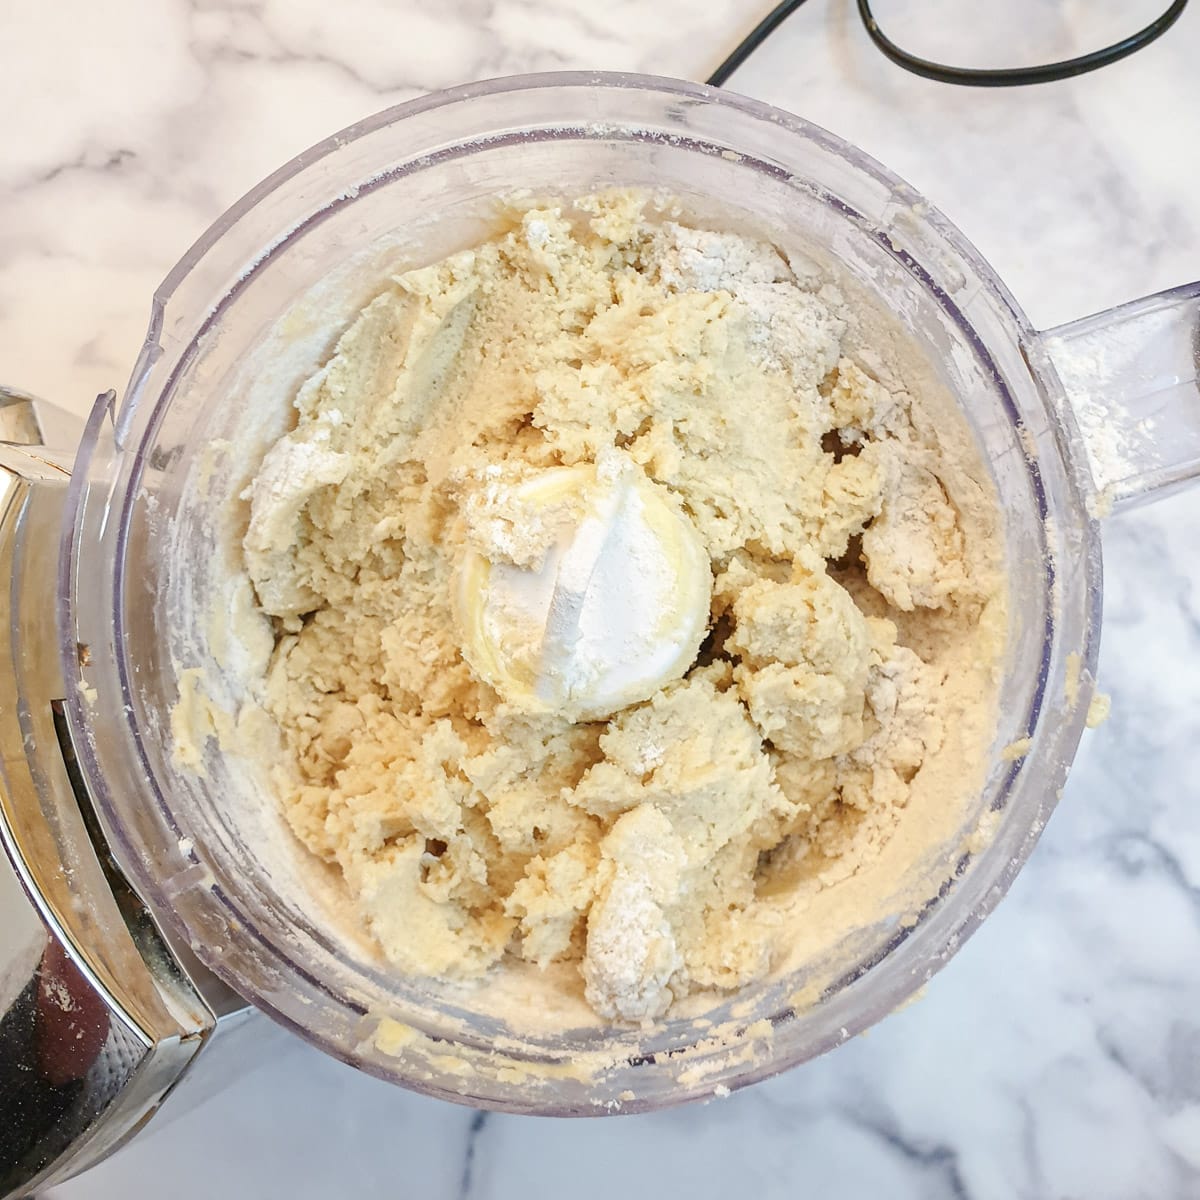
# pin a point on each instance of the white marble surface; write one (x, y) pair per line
(1059, 1055)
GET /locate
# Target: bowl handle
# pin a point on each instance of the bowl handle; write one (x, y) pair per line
(1131, 379)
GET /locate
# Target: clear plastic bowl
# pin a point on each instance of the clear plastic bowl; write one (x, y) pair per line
(206, 853)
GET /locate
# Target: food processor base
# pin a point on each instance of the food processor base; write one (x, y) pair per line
(101, 1018)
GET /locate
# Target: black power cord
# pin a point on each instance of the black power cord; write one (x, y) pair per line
(964, 76)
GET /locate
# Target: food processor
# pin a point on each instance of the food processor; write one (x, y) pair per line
(149, 909)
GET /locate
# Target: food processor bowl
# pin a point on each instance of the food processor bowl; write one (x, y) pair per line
(252, 310)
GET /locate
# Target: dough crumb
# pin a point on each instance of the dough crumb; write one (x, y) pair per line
(1099, 710)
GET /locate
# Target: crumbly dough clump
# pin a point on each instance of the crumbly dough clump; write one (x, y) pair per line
(649, 849)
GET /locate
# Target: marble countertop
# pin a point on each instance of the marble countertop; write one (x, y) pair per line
(1059, 1054)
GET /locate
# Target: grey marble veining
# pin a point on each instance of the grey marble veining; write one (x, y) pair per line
(1059, 1054)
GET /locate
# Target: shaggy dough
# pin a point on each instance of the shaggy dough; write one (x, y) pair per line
(648, 849)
